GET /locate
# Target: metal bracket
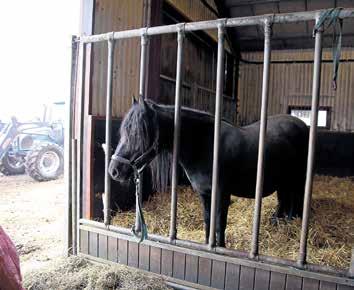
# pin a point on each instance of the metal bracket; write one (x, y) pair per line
(221, 27)
(110, 37)
(181, 31)
(268, 26)
(144, 36)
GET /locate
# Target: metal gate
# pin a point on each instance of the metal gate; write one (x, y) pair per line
(194, 264)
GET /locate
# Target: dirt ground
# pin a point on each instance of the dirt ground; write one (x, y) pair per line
(32, 214)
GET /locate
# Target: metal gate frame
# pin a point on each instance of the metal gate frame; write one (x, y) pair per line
(81, 230)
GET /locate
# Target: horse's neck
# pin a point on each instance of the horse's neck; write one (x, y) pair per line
(166, 128)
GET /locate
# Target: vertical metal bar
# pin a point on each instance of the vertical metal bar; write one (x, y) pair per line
(218, 105)
(176, 135)
(351, 267)
(262, 137)
(74, 197)
(107, 179)
(143, 45)
(312, 144)
(68, 150)
(79, 135)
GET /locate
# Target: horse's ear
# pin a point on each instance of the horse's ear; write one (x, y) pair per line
(134, 101)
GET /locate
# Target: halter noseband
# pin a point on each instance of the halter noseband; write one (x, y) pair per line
(138, 164)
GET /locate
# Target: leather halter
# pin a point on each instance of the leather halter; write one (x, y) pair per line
(138, 164)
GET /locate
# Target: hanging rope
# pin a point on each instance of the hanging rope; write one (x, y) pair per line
(144, 231)
(332, 15)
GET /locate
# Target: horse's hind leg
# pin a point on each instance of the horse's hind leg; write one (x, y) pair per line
(285, 202)
(290, 201)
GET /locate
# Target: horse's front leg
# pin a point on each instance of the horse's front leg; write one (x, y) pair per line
(223, 203)
(206, 200)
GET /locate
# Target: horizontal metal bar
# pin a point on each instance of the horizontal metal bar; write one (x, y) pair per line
(212, 24)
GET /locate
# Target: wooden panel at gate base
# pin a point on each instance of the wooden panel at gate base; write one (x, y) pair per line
(218, 274)
(310, 284)
(166, 262)
(84, 241)
(232, 279)
(324, 285)
(192, 268)
(144, 257)
(133, 254)
(293, 282)
(246, 278)
(103, 246)
(261, 279)
(155, 260)
(112, 249)
(277, 280)
(179, 265)
(123, 252)
(201, 270)
(93, 244)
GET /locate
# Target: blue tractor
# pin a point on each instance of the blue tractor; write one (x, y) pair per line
(34, 148)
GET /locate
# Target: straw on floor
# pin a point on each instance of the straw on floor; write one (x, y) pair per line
(331, 234)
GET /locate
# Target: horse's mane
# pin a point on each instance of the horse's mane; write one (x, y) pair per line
(187, 112)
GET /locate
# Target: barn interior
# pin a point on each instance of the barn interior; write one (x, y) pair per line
(290, 93)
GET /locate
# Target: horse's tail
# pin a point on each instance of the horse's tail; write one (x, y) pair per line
(161, 171)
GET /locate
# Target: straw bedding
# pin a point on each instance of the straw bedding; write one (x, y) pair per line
(78, 273)
(331, 231)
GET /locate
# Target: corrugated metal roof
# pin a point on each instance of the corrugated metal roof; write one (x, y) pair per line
(286, 36)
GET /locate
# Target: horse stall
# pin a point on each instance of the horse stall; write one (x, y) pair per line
(239, 61)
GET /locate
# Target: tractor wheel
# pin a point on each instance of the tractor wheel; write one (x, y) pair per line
(10, 165)
(45, 162)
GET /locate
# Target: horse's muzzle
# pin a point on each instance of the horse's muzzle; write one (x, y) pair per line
(113, 171)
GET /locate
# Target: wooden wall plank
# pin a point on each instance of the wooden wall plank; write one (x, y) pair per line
(261, 279)
(218, 274)
(232, 278)
(155, 260)
(327, 285)
(93, 244)
(133, 254)
(179, 265)
(103, 246)
(204, 271)
(246, 278)
(144, 257)
(192, 263)
(123, 252)
(84, 242)
(112, 249)
(277, 281)
(293, 282)
(310, 284)
(166, 262)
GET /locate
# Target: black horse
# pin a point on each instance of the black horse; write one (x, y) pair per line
(147, 132)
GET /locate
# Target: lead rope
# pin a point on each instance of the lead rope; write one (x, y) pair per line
(144, 231)
(333, 16)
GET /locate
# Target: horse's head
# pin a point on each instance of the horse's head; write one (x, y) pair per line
(138, 142)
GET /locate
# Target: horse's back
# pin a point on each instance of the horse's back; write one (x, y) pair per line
(285, 153)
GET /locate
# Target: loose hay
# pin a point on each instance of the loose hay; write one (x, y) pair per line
(76, 273)
(331, 232)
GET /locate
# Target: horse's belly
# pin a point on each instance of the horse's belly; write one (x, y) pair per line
(246, 186)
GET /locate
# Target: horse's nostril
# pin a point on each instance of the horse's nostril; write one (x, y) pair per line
(115, 173)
